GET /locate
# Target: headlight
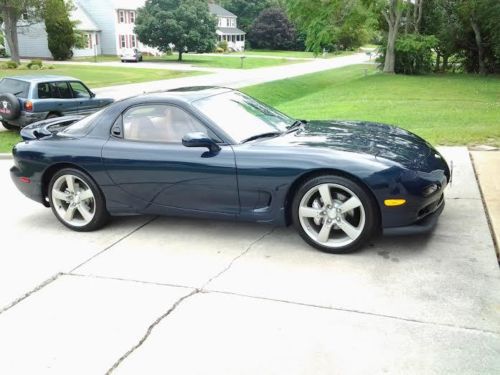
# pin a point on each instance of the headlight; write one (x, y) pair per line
(429, 190)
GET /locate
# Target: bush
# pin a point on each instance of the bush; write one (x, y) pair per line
(10, 65)
(222, 45)
(33, 63)
(23, 67)
(219, 50)
(414, 53)
(60, 29)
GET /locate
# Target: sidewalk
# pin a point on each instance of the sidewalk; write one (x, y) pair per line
(487, 165)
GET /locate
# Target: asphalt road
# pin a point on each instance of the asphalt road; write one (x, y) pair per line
(161, 295)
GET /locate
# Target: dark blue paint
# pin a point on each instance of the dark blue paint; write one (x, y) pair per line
(253, 181)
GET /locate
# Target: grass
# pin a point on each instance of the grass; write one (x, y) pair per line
(103, 76)
(296, 54)
(452, 109)
(8, 139)
(225, 61)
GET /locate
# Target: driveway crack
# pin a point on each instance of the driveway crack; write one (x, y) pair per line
(243, 253)
(150, 330)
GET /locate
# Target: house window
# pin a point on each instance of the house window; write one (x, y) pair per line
(132, 17)
(133, 42)
(232, 22)
(123, 42)
(96, 40)
(121, 16)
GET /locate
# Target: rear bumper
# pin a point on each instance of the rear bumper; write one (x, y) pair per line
(425, 225)
(32, 190)
(27, 118)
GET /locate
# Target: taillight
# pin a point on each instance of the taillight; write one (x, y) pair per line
(28, 105)
(25, 180)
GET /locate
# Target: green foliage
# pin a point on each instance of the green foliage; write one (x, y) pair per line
(35, 62)
(273, 30)
(10, 65)
(247, 11)
(60, 29)
(336, 24)
(185, 23)
(414, 53)
(223, 45)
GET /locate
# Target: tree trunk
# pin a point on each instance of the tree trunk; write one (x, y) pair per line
(479, 44)
(390, 54)
(10, 24)
(418, 14)
(180, 56)
(445, 63)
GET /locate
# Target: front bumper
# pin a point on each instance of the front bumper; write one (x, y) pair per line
(425, 225)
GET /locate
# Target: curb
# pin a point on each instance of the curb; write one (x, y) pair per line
(5, 156)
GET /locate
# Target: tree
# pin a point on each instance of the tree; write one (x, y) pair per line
(392, 15)
(247, 11)
(60, 29)
(273, 30)
(12, 12)
(185, 23)
(343, 24)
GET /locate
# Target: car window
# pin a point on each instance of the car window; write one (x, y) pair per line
(159, 123)
(15, 86)
(79, 90)
(60, 90)
(82, 127)
(44, 91)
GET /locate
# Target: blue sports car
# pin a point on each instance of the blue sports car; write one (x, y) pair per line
(217, 153)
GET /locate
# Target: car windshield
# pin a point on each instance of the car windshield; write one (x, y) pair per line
(81, 127)
(14, 86)
(242, 117)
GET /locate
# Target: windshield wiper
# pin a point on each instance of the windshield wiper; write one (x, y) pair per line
(296, 124)
(263, 135)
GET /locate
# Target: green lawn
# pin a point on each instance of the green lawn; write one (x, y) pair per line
(220, 61)
(449, 109)
(103, 76)
(8, 139)
(297, 54)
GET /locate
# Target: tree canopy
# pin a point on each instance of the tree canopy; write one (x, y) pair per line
(187, 24)
(273, 30)
(60, 29)
(247, 11)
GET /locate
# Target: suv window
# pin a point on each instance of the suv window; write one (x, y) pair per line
(79, 90)
(159, 123)
(14, 86)
(60, 90)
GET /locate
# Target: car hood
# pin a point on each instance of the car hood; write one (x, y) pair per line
(379, 140)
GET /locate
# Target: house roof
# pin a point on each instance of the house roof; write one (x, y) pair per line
(219, 11)
(230, 31)
(127, 4)
(85, 22)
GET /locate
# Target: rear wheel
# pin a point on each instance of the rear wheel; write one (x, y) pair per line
(9, 126)
(52, 115)
(77, 201)
(333, 214)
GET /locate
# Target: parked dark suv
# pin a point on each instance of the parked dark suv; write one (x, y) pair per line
(27, 99)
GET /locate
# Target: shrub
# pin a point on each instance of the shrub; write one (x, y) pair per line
(23, 67)
(60, 29)
(223, 45)
(219, 50)
(11, 65)
(414, 53)
(33, 63)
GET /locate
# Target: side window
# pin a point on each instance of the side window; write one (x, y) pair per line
(60, 90)
(159, 123)
(79, 90)
(44, 91)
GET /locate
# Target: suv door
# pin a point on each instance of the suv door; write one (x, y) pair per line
(56, 97)
(87, 102)
(150, 164)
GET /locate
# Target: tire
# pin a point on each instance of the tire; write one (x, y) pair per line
(10, 108)
(10, 127)
(52, 115)
(324, 225)
(80, 207)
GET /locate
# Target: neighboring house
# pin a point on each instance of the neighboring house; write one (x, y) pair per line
(108, 26)
(227, 28)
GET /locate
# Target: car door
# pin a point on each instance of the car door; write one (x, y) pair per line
(56, 97)
(148, 161)
(87, 102)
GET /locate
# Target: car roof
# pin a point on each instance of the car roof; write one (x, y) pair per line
(42, 78)
(184, 94)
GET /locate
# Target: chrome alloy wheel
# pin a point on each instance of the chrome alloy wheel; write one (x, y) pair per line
(73, 200)
(332, 215)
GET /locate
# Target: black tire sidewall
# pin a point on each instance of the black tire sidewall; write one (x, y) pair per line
(368, 205)
(11, 103)
(8, 126)
(101, 215)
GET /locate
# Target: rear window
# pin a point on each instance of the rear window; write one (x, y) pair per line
(14, 86)
(82, 127)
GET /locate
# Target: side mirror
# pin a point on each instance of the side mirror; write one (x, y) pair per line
(92, 94)
(199, 139)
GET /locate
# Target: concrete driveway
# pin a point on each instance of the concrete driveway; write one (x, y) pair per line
(176, 296)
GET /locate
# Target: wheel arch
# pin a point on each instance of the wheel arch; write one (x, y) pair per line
(292, 190)
(57, 113)
(51, 171)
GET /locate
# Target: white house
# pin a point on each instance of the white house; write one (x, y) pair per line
(108, 26)
(227, 28)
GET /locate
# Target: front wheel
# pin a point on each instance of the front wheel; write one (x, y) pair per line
(333, 214)
(77, 201)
